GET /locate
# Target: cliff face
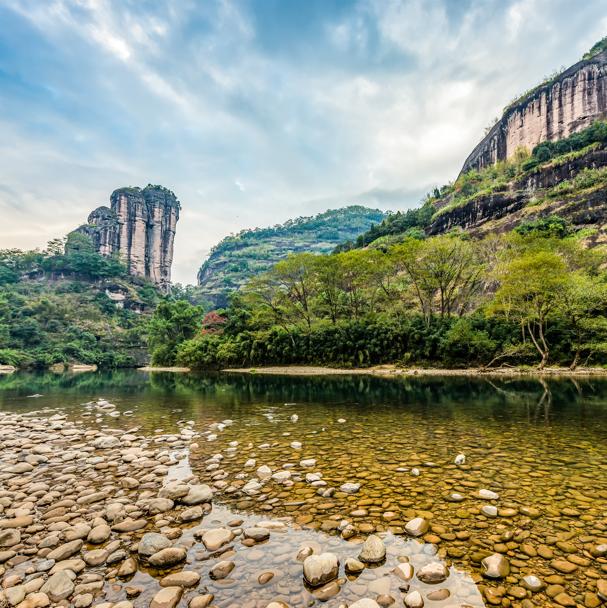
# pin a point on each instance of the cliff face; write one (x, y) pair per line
(140, 226)
(504, 210)
(555, 110)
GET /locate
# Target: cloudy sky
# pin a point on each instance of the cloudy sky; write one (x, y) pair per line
(254, 112)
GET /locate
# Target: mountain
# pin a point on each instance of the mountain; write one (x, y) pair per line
(545, 157)
(238, 257)
(139, 228)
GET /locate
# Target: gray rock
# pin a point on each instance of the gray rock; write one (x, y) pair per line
(78, 531)
(364, 603)
(221, 570)
(106, 443)
(191, 514)
(153, 543)
(99, 534)
(373, 551)
(91, 498)
(214, 539)
(21, 467)
(257, 534)
(160, 505)
(533, 583)
(174, 490)
(167, 598)
(115, 512)
(95, 557)
(168, 557)
(45, 566)
(353, 565)
(64, 551)
(58, 587)
(128, 525)
(10, 538)
(349, 488)
(186, 578)
(198, 495)
(433, 573)
(15, 594)
(116, 557)
(320, 569)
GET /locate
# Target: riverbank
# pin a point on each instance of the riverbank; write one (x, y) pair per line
(391, 370)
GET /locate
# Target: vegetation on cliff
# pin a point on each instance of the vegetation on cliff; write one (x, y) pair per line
(392, 229)
(55, 307)
(476, 184)
(250, 252)
(444, 301)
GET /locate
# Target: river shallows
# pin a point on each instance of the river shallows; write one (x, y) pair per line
(538, 445)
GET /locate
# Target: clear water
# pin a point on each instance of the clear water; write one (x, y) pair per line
(540, 444)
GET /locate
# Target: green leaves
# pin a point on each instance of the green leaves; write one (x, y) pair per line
(172, 324)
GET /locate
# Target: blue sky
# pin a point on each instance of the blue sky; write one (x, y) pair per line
(257, 111)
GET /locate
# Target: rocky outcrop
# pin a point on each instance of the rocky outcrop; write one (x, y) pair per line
(569, 103)
(505, 209)
(140, 226)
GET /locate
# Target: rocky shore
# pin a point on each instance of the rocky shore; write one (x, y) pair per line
(112, 518)
(392, 370)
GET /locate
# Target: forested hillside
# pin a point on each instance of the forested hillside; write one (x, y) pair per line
(67, 304)
(536, 296)
(238, 257)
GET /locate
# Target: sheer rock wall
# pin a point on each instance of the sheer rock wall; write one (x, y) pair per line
(140, 226)
(555, 110)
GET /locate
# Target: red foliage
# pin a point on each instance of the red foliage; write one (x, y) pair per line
(211, 324)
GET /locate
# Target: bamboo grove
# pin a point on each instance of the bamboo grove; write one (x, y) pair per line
(534, 298)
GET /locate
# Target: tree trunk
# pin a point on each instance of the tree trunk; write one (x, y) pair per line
(576, 360)
(543, 353)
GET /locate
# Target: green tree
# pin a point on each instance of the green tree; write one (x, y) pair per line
(172, 324)
(329, 272)
(530, 291)
(581, 297)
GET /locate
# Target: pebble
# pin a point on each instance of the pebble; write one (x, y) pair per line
(495, 566)
(373, 550)
(320, 569)
(433, 573)
(167, 598)
(417, 527)
(414, 600)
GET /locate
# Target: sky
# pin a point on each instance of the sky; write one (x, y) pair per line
(257, 111)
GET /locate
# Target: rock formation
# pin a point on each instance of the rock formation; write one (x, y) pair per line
(140, 227)
(508, 206)
(565, 105)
